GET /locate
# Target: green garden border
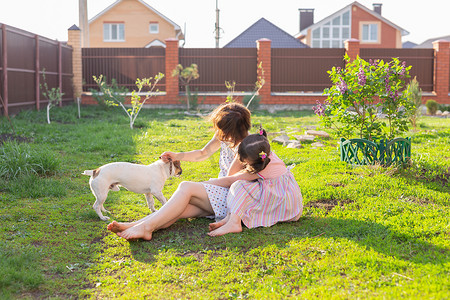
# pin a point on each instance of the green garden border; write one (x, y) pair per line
(385, 152)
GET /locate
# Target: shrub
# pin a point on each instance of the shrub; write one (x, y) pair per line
(193, 99)
(432, 106)
(443, 107)
(414, 101)
(362, 92)
(20, 159)
(108, 94)
(254, 104)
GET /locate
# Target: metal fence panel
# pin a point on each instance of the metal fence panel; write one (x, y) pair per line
(217, 65)
(25, 55)
(304, 69)
(124, 65)
(421, 60)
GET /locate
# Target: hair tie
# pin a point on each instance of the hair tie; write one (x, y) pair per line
(261, 130)
(263, 155)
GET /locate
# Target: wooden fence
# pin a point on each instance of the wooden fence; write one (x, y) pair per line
(24, 57)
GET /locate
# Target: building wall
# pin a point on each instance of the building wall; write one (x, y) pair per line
(389, 36)
(136, 17)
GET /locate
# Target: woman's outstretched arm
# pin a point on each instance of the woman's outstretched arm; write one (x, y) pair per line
(227, 181)
(196, 155)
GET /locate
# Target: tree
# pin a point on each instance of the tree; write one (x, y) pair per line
(113, 98)
(186, 75)
(53, 95)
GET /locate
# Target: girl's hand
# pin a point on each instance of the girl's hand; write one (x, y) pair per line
(166, 156)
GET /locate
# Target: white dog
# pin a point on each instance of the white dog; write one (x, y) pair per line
(142, 179)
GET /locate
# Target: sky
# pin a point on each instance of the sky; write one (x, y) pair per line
(52, 18)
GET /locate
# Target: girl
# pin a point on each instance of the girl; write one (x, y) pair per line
(193, 199)
(271, 196)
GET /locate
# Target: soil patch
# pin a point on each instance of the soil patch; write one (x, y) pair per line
(327, 204)
(5, 137)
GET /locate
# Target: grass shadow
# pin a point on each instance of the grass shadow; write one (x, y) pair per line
(188, 237)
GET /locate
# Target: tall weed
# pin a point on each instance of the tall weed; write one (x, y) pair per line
(18, 159)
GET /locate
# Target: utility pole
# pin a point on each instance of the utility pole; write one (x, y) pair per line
(217, 30)
(84, 25)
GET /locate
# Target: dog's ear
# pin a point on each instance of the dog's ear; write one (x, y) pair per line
(177, 164)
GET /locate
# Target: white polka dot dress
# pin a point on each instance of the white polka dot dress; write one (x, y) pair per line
(218, 198)
(217, 195)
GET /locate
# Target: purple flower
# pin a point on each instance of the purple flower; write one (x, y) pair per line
(361, 76)
(403, 70)
(319, 109)
(342, 86)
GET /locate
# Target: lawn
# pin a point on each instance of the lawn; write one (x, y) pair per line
(366, 232)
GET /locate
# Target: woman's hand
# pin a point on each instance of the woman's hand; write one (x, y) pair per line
(167, 156)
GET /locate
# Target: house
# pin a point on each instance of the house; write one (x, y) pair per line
(429, 43)
(408, 45)
(265, 29)
(354, 21)
(131, 23)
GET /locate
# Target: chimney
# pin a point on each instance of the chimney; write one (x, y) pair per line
(84, 25)
(306, 17)
(377, 8)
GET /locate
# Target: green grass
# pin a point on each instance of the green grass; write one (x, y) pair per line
(366, 232)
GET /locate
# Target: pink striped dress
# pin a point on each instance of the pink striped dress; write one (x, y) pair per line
(272, 198)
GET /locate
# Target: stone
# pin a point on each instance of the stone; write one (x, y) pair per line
(318, 133)
(317, 145)
(281, 139)
(294, 144)
(305, 138)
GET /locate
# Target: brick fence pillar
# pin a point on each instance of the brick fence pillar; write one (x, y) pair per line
(441, 70)
(265, 61)
(172, 82)
(74, 40)
(352, 48)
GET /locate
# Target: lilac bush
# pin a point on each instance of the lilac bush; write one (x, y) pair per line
(366, 99)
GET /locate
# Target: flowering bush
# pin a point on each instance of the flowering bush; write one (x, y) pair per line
(366, 99)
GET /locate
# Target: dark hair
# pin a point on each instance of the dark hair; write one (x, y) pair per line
(255, 148)
(231, 122)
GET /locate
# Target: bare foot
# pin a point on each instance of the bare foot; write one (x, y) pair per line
(233, 225)
(116, 227)
(140, 231)
(214, 226)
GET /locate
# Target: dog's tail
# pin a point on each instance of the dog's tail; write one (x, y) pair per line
(88, 172)
(93, 173)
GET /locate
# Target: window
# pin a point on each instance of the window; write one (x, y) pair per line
(316, 33)
(113, 32)
(336, 32)
(345, 33)
(326, 32)
(154, 27)
(333, 32)
(370, 32)
(337, 20)
(346, 18)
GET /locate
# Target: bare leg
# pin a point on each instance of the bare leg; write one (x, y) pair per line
(190, 212)
(187, 192)
(233, 225)
(214, 226)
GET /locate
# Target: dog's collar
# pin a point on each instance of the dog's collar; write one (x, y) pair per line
(170, 167)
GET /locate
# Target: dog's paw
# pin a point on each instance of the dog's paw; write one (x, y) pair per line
(104, 218)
